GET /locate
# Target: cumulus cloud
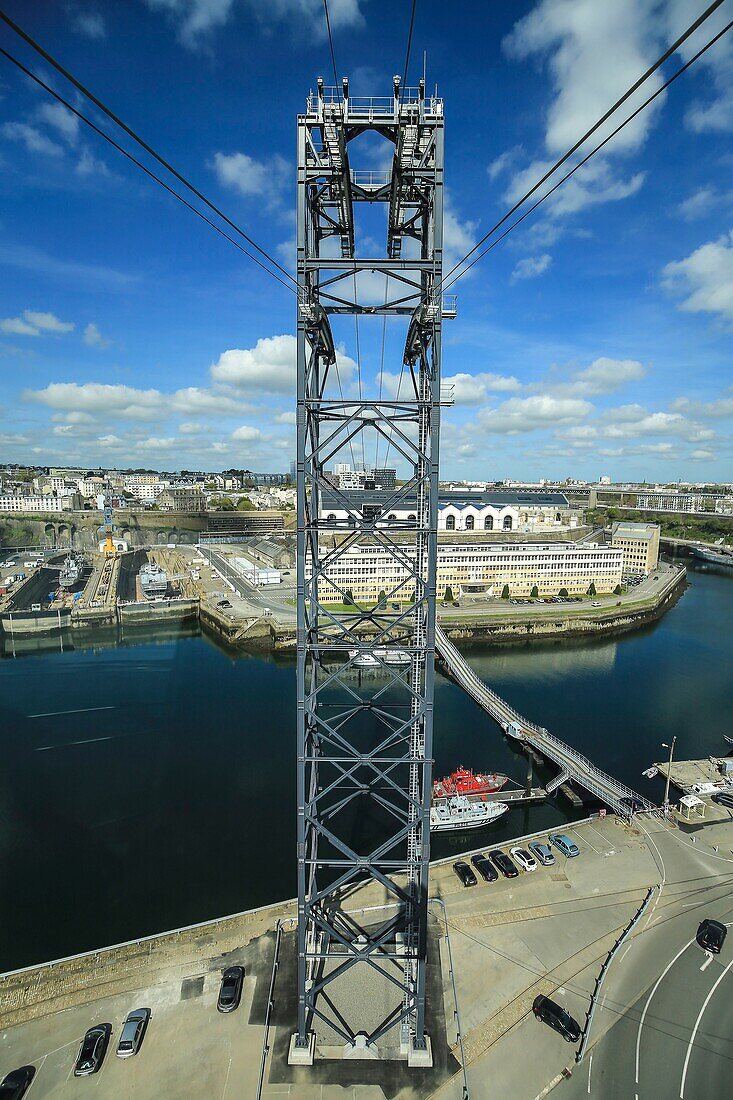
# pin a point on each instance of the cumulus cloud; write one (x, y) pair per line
(268, 366)
(701, 454)
(246, 434)
(60, 119)
(605, 375)
(93, 337)
(190, 427)
(35, 323)
(32, 138)
(89, 23)
(248, 176)
(129, 403)
(285, 417)
(531, 266)
(526, 414)
(704, 280)
(472, 389)
(629, 421)
(196, 20)
(707, 410)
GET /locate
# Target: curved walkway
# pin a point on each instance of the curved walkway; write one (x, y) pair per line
(576, 766)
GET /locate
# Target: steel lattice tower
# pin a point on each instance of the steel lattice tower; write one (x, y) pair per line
(364, 741)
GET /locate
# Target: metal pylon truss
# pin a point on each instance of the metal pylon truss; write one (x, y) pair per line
(365, 673)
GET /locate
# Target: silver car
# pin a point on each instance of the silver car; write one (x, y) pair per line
(542, 852)
(133, 1032)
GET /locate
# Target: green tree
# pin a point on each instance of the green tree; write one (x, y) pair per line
(535, 592)
(563, 592)
(617, 590)
(382, 602)
(592, 589)
(349, 597)
(448, 597)
(245, 505)
(505, 592)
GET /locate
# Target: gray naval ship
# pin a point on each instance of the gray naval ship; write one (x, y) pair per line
(714, 555)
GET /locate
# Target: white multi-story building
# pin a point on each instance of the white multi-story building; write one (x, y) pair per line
(50, 503)
(670, 501)
(492, 510)
(485, 569)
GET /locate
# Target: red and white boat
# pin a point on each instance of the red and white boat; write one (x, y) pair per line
(464, 781)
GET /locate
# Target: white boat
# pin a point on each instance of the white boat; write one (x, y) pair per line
(153, 581)
(460, 813)
(382, 655)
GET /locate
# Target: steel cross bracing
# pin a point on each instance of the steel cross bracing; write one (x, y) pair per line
(365, 742)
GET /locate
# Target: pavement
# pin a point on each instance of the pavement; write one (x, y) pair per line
(546, 931)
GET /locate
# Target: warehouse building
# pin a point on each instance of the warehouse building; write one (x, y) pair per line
(639, 543)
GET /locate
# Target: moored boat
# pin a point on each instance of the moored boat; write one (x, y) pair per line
(153, 581)
(379, 656)
(69, 572)
(459, 812)
(464, 781)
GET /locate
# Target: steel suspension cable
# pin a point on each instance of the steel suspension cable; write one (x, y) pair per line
(143, 168)
(589, 133)
(651, 98)
(140, 141)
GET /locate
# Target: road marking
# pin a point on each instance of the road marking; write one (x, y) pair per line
(226, 1082)
(654, 990)
(706, 964)
(55, 713)
(697, 1024)
(590, 1067)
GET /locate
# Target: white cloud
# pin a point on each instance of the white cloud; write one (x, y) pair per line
(702, 202)
(34, 323)
(472, 389)
(246, 434)
(701, 454)
(129, 403)
(705, 278)
(89, 165)
(526, 414)
(197, 19)
(93, 337)
(109, 440)
(248, 176)
(270, 366)
(459, 237)
(504, 162)
(31, 138)
(59, 118)
(593, 184)
(90, 24)
(629, 421)
(190, 427)
(531, 266)
(717, 113)
(285, 417)
(605, 375)
(708, 410)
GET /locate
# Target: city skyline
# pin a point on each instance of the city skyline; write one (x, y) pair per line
(595, 340)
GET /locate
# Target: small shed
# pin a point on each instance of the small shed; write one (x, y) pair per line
(692, 807)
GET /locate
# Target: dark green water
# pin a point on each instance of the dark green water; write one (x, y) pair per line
(176, 802)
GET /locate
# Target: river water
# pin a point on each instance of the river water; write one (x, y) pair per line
(148, 782)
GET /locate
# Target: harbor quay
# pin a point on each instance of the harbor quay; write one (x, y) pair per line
(492, 949)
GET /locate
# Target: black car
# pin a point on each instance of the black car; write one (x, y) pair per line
(92, 1050)
(711, 935)
(633, 804)
(16, 1083)
(724, 798)
(485, 868)
(556, 1016)
(230, 991)
(503, 862)
(464, 873)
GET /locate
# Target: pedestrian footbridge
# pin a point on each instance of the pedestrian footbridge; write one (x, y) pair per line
(572, 764)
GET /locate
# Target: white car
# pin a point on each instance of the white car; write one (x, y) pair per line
(524, 859)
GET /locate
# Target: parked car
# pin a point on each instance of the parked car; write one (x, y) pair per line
(711, 935)
(723, 798)
(503, 863)
(564, 845)
(17, 1083)
(634, 804)
(224, 603)
(526, 861)
(464, 873)
(485, 868)
(230, 991)
(555, 1015)
(92, 1050)
(395, 606)
(133, 1032)
(542, 852)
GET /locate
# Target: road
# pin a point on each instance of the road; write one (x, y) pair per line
(667, 1003)
(256, 599)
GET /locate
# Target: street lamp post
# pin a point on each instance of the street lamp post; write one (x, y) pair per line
(669, 769)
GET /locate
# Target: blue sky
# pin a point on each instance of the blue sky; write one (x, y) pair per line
(595, 340)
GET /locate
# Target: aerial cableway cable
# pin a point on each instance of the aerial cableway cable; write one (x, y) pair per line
(449, 283)
(131, 133)
(143, 168)
(589, 133)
